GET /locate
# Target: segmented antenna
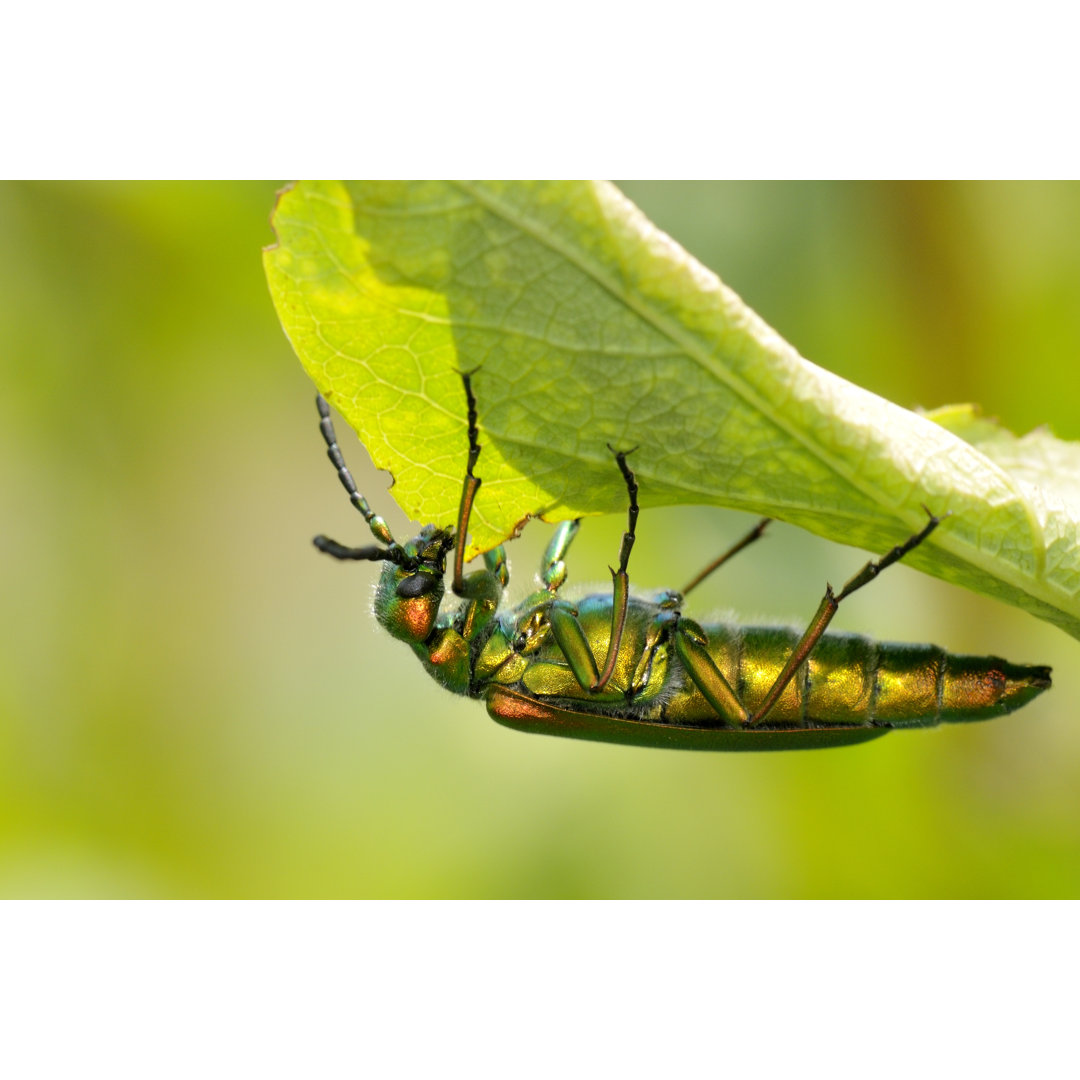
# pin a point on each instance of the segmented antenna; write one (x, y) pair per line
(371, 553)
(379, 529)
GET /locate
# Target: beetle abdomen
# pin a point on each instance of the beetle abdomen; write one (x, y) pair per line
(850, 679)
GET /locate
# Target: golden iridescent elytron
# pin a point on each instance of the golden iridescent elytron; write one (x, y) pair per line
(625, 669)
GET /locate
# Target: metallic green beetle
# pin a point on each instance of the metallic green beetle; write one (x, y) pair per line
(625, 669)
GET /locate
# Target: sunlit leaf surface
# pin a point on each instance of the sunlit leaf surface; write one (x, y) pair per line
(590, 326)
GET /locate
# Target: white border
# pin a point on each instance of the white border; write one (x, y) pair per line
(680, 89)
(388, 989)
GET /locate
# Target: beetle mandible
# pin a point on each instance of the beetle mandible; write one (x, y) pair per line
(621, 668)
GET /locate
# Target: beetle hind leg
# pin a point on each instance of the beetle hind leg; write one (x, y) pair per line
(827, 609)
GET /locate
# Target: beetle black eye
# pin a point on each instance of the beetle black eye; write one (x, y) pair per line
(417, 584)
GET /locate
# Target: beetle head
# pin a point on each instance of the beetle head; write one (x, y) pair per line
(410, 591)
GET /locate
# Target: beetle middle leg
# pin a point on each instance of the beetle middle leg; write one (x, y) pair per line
(620, 580)
(561, 616)
(691, 643)
(827, 609)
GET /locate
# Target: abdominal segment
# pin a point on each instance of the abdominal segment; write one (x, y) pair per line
(850, 679)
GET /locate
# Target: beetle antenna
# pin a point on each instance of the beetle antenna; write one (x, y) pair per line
(360, 554)
(379, 529)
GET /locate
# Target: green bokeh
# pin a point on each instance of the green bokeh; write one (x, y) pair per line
(194, 703)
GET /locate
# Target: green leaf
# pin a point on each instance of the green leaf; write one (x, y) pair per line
(589, 326)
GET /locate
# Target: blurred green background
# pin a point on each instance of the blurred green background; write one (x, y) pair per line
(194, 703)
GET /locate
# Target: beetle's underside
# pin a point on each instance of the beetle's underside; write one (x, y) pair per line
(618, 668)
(849, 689)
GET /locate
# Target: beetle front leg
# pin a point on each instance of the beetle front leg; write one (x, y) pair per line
(469, 489)
(495, 564)
(477, 586)
(552, 566)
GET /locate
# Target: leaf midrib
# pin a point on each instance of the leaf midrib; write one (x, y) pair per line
(688, 345)
(685, 344)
